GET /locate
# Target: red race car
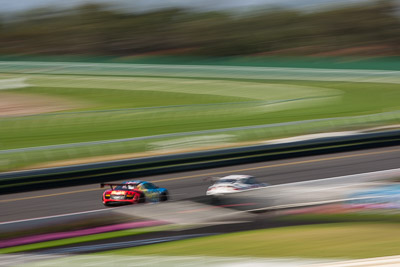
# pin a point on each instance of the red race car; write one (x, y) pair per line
(131, 192)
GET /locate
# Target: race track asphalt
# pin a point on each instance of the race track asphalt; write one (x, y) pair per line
(184, 185)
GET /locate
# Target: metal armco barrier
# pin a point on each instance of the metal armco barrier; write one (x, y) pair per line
(121, 169)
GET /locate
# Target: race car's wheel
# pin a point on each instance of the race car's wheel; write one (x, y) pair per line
(164, 196)
(142, 198)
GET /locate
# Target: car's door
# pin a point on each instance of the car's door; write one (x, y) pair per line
(151, 192)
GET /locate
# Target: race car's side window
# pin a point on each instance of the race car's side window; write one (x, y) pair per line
(152, 186)
(244, 181)
(149, 186)
(251, 180)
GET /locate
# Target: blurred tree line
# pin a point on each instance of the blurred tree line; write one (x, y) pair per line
(92, 29)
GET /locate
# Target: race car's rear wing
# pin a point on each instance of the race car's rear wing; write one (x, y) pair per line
(112, 185)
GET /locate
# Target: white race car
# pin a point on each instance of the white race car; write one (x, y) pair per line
(233, 184)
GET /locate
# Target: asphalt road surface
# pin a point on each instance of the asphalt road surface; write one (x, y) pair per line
(184, 185)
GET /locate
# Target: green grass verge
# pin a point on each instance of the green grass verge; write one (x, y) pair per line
(371, 216)
(340, 240)
(81, 239)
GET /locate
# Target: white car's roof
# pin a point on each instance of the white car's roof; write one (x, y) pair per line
(235, 176)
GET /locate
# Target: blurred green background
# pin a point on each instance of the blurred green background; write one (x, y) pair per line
(91, 80)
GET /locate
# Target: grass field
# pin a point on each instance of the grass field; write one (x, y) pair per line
(80, 239)
(143, 106)
(351, 240)
(341, 240)
(163, 106)
(117, 107)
